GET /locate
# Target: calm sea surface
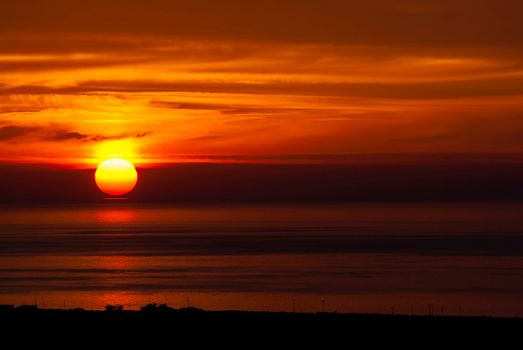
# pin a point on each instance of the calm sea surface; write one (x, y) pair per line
(462, 258)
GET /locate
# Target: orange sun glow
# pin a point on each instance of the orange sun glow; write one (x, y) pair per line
(116, 176)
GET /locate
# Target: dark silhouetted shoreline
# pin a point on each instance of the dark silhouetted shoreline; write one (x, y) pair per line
(268, 323)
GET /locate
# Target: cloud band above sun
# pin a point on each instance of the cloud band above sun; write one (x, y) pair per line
(171, 80)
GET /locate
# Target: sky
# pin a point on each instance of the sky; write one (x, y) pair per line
(164, 82)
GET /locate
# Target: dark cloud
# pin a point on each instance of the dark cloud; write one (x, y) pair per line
(187, 105)
(68, 135)
(224, 108)
(510, 86)
(56, 134)
(63, 135)
(212, 137)
(10, 132)
(76, 136)
(142, 134)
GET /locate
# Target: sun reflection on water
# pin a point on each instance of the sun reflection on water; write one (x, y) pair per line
(116, 216)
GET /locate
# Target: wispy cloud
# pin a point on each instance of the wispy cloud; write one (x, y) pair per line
(57, 134)
(231, 109)
(473, 88)
(63, 135)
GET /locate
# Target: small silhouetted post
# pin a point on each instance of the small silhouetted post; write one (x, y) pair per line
(64, 304)
(442, 308)
(323, 305)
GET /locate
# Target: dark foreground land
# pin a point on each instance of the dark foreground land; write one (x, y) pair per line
(264, 325)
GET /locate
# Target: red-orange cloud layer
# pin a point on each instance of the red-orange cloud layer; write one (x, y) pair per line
(161, 81)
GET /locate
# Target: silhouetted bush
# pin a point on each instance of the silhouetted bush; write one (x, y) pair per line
(25, 308)
(153, 307)
(113, 308)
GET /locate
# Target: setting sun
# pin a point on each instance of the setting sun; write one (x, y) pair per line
(116, 176)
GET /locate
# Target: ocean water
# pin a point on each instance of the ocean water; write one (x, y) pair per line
(461, 258)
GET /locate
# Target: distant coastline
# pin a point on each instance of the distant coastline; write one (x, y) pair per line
(165, 313)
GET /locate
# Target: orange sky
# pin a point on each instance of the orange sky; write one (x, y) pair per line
(164, 81)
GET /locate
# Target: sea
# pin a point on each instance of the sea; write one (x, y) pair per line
(401, 258)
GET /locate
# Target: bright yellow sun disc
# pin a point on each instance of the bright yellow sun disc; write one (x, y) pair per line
(116, 176)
